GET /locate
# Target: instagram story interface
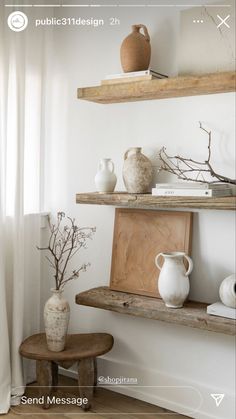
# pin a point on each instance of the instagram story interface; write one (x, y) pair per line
(124, 113)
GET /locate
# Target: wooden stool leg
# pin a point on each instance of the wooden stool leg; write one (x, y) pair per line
(86, 380)
(54, 375)
(95, 374)
(44, 379)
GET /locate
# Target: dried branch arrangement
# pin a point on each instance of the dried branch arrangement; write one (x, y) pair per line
(64, 242)
(192, 170)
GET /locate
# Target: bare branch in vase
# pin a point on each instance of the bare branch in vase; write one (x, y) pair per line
(182, 167)
(64, 243)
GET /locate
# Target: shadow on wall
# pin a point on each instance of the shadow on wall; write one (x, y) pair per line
(206, 277)
(163, 44)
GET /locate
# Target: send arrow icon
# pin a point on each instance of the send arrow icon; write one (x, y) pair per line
(218, 398)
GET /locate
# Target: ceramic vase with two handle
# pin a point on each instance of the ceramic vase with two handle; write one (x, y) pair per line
(173, 282)
(105, 179)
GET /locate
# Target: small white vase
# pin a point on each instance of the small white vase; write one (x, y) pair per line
(173, 282)
(227, 291)
(105, 179)
(56, 320)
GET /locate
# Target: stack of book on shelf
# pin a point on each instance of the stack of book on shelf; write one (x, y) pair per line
(219, 309)
(207, 190)
(133, 76)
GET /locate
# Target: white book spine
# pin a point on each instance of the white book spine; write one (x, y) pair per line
(189, 192)
(219, 309)
(181, 186)
(190, 185)
(129, 74)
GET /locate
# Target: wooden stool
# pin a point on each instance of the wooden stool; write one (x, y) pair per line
(81, 348)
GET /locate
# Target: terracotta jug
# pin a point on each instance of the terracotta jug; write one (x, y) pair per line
(137, 171)
(135, 51)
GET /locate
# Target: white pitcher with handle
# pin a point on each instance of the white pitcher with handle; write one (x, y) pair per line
(105, 179)
(173, 282)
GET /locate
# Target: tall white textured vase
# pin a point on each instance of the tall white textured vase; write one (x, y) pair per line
(56, 320)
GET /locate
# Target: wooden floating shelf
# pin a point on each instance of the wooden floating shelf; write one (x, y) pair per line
(123, 199)
(160, 89)
(193, 314)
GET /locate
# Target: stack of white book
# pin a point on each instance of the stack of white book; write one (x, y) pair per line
(192, 189)
(219, 309)
(133, 76)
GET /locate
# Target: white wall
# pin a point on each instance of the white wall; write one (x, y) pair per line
(78, 134)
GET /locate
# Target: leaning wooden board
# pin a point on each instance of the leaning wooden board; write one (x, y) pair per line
(139, 235)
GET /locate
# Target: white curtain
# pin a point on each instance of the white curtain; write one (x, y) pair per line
(22, 56)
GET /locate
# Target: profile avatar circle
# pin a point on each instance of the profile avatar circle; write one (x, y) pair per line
(17, 21)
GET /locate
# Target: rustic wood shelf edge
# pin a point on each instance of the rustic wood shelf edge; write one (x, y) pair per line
(160, 89)
(193, 314)
(123, 199)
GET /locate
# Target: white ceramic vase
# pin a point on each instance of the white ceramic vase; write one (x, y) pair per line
(137, 171)
(105, 179)
(56, 320)
(173, 282)
(227, 291)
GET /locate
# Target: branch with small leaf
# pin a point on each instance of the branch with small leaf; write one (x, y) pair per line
(64, 242)
(192, 170)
